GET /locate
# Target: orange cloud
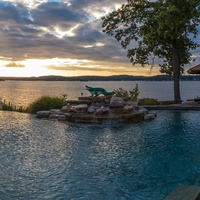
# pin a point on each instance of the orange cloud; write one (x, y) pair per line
(14, 64)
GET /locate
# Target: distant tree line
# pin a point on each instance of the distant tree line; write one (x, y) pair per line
(104, 78)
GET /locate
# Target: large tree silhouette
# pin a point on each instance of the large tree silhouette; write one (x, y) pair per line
(163, 29)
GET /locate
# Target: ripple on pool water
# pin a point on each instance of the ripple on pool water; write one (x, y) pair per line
(42, 159)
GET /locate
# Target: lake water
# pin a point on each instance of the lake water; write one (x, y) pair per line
(49, 160)
(22, 93)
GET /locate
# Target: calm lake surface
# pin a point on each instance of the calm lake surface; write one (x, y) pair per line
(24, 92)
(50, 160)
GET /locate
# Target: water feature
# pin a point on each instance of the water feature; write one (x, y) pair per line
(42, 159)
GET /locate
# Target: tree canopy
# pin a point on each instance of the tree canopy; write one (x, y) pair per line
(157, 29)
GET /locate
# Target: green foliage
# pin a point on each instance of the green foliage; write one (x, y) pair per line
(46, 103)
(43, 103)
(148, 102)
(128, 94)
(152, 101)
(158, 27)
(11, 107)
(160, 30)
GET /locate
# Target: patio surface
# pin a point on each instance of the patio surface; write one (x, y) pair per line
(174, 107)
(184, 192)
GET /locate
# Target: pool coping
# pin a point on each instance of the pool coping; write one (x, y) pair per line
(184, 192)
(173, 107)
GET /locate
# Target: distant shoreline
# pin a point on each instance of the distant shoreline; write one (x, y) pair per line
(102, 78)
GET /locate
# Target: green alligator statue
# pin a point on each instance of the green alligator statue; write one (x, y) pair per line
(97, 91)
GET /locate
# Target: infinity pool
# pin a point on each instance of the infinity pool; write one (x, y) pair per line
(42, 159)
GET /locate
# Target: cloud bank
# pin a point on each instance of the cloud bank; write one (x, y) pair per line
(65, 30)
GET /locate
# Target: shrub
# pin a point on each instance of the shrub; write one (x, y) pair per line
(148, 101)
(46, 103)
(10, 107)
(128, 94)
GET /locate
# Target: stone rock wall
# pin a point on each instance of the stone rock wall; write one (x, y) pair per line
(97, 110)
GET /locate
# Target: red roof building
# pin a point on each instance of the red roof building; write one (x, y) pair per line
(194, 70)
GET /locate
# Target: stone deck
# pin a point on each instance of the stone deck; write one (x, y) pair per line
(174, 107)
(184, 192)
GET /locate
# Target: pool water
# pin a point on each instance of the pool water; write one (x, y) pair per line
(42, 159)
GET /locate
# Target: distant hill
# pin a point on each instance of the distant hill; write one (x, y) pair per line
(103, 78)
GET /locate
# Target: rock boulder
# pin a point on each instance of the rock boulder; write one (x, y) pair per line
(116, 102)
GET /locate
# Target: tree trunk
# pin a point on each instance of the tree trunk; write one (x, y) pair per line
(176, 75)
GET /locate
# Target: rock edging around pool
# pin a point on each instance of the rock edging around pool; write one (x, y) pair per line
(98, 110)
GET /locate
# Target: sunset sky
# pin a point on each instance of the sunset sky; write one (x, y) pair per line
(62, 37)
